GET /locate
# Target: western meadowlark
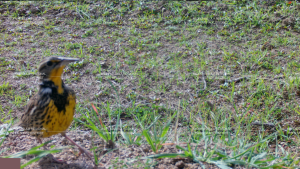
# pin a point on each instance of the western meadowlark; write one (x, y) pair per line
(51, 110)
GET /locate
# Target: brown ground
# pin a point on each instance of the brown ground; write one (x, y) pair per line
(38, 35)
(120, 157)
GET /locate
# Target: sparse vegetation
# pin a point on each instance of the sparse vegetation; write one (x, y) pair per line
(205, 83)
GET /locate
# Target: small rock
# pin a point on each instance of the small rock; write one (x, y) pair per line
(180, 164)
(110, 145)
(289, 21)
(34, 10)
(210, 104)
(162, 166)
(267, 46)
(104, 64)
(167, 161)
(146, 150)
(87, 137)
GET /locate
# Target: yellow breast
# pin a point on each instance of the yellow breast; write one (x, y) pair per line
(57, 122)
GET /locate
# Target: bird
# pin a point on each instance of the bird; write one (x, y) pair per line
(51, 110)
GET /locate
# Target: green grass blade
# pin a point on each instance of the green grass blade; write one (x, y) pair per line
(30, 162)
(171, 155)
(165, 131)
(36, 152)
(155, 120)
(125, 135)
(149, 140)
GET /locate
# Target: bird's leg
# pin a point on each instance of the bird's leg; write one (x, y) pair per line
(51, 157)
(82, 150)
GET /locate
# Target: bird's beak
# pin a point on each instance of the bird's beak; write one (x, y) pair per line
(64, 61)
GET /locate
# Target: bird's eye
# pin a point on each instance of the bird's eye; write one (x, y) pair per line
(49, 63)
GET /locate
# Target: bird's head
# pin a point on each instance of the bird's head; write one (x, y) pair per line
(52, 68)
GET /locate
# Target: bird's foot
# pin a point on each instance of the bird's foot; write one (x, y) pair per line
(81, 149)
(85, 152)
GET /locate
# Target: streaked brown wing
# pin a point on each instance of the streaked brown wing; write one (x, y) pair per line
(32, 119)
